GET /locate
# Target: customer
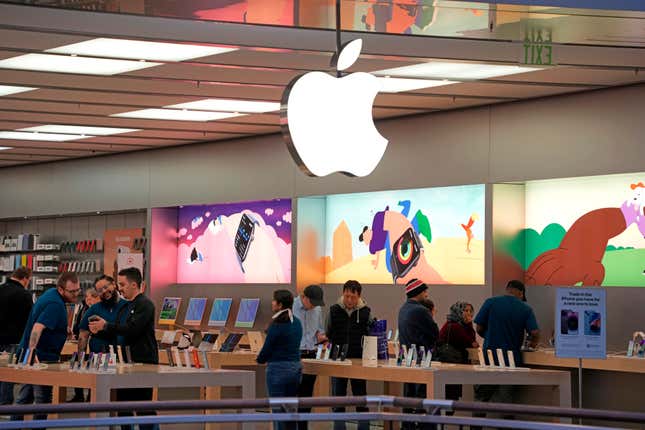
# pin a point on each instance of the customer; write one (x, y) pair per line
(135, 322)
(417, 327)
(108, 307)
(281, 350)
(45, 334)
(348, 321)
(502, 322)
(15, 306)
(91, 297)
(455, 337)
(307, 308)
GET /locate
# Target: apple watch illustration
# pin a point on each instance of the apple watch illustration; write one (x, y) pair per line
(243, 238)
(406, 252)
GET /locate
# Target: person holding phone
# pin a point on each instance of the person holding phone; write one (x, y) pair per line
(136, 324)
(108, 307)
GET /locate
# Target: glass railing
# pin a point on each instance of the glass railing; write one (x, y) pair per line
(437, 18)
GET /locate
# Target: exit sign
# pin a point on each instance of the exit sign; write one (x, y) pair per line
(538, 47)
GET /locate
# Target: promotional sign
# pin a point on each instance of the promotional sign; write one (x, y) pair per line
(583, 231)
(433, 234)
(247, 242)
(119, 243)
(580, 323)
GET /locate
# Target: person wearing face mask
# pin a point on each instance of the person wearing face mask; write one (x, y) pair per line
(108, 307)
(417, 327)
(281, 350)
(456, 336)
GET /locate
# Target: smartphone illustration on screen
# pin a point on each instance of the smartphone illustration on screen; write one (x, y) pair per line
(406, 252)
(243, 238)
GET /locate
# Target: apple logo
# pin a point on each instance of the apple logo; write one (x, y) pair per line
(327, 121)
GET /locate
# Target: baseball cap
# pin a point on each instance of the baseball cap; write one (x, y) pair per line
(315, 295)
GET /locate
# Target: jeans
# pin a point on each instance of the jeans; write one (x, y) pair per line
(283, 379)
(135, 394)
(306, 388)
(6, 388)
(29, 394)
(359, 388)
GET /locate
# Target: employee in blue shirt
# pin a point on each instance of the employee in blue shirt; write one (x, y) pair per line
(307, 308)
(502, 321)
(45, 334)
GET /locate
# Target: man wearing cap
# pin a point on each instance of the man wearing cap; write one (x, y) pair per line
(307, 308)
(417, 327)
(502, 322)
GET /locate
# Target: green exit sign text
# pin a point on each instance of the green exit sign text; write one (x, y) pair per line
(538, 47)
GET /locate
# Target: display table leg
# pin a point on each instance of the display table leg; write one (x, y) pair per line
(101, 393)
(321, 389)
(59, 395)
(248, 393)
(564, 395)
(392, 389)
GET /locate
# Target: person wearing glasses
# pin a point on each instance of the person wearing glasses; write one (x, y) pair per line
(45, 334)
(108, 308)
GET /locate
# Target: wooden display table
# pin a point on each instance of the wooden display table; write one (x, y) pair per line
(613, 363)
(145, 375)
(437, 377)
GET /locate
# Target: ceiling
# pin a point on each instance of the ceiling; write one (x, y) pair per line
(266, 59)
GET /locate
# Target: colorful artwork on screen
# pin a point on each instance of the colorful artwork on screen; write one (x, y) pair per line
(433, 234)
(247, 242)
(584, 231)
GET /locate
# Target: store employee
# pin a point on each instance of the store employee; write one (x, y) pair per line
(136, 324)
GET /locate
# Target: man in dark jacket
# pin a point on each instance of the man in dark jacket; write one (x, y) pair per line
(136, 324)
(417, 327)
(348, 321)
(15, 306)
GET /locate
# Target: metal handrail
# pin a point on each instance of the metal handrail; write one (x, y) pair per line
(305, 402)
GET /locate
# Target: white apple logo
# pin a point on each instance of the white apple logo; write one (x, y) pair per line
(327, 122)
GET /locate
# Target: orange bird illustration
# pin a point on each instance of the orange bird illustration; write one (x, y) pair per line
(469, 232)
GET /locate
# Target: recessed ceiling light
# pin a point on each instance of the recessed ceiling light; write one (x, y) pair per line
(449, 70)
(52, 137)
(74, 129)
(2, 148)
(396, 85)
(139, 50)
(5, 90)
(224, 105)
(176, 115)
(73, 64)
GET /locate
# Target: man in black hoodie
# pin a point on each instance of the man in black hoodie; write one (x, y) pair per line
(15, 306)
(416, 327)
(348, 321)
